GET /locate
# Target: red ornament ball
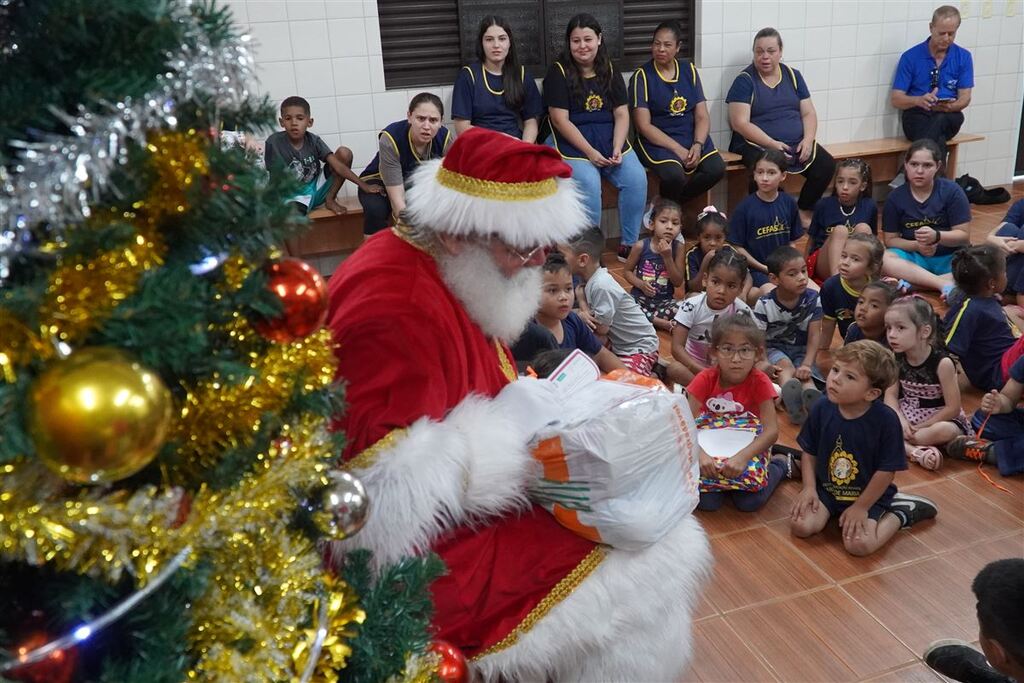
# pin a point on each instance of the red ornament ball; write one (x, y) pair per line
(453, 667)
(303, 295)
(56, 667)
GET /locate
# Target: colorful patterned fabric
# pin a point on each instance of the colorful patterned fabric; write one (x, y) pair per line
(755, 477)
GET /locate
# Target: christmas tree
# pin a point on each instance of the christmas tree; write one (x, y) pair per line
(166, 470)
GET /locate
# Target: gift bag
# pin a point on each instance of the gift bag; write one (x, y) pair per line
(722, 436)
(619, 466)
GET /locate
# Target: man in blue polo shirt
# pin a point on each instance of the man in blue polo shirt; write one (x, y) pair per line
(933, 82)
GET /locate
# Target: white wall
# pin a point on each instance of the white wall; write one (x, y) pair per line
(329, 52)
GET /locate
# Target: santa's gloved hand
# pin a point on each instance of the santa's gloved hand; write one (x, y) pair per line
(530, 403)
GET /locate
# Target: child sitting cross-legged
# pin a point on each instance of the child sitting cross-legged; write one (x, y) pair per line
(556, 315)
(617, 315)
(852, 448)
(927, 396)
(791, 316)
(733, 386)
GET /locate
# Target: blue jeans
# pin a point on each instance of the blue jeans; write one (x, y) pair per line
(631, 180)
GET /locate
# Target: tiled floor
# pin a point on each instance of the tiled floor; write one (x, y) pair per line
(786, 609)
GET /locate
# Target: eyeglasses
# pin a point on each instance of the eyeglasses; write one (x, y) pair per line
(524, 258)
(934, 73)
(744, 352)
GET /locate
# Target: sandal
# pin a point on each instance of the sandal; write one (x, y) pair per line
(928, 457)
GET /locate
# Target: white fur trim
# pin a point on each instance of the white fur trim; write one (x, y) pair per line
(630, 620)
(440, 475)
(524, 224)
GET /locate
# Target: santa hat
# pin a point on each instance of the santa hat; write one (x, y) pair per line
(490, 183)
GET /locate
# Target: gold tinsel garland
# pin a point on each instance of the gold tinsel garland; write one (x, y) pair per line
(223, 413)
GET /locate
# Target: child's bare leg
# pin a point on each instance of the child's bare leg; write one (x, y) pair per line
(344, 155)
(828, 259)
(679, 373)
(896, 267)
(810, 522)
(748, 282)
(937, 434)
(662, 323)
(874, 536)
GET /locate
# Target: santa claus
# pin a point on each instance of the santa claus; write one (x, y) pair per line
(438, 430)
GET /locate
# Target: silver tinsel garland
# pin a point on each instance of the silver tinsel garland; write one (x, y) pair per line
(54, 180)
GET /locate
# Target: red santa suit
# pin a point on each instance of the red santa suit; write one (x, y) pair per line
(446, 469)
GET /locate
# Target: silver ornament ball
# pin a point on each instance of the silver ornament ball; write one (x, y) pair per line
(345, 501)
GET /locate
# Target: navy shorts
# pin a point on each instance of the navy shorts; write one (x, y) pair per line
(836, 507)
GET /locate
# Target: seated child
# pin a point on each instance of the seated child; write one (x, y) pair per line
(616, 314)
(847, 210)
(999, 592)
(656, 264)
(927, 396)
(765, 220)
(791, 316)
(1009, 237)
(302, 152)
(556, 315)
(859, 263)
(692, 333)
(853, 447)
(1001, 442)
(711, 227)
(869, 314)
(978, 331)
(736, 345)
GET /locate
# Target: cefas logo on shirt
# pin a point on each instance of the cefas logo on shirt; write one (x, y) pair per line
(677, 106)
(594, 102)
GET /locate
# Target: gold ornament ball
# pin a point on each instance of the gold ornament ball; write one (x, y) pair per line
(98, 416)
(345, 502)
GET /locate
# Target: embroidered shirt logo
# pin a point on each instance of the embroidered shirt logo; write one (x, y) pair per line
(842, 466)
(594, 102)
(677, 105)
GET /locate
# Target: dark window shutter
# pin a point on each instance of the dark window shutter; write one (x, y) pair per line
(420, 40)
(641, 17)
(426, 41)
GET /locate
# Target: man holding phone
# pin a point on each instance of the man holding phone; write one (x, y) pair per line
(933, 82)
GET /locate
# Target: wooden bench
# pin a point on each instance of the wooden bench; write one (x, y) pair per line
(884, 156)
(332, 234)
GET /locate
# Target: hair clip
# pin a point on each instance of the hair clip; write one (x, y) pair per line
(709, 209)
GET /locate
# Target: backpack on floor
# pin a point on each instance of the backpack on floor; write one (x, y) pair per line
(976, 194)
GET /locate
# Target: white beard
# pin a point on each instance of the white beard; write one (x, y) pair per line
(500, 305)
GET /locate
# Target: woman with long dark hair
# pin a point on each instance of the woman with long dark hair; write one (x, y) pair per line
(673, 128)
(588, 107)
(496, 92)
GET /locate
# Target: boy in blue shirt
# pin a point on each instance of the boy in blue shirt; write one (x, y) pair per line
(853, 447)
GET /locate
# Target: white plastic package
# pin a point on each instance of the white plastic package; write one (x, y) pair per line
(618, 466)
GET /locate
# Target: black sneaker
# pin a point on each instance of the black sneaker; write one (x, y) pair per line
(912, 509)
(957, 660)
(623, 252)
